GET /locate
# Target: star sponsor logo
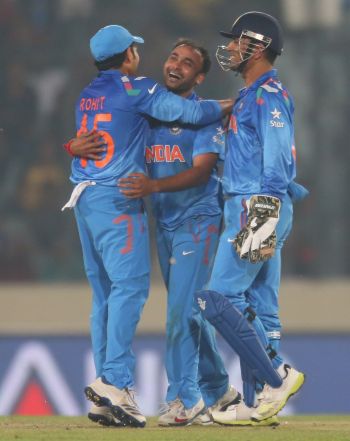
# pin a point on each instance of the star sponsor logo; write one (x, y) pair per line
(276, 115)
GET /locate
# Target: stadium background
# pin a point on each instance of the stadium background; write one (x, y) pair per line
(45, 357)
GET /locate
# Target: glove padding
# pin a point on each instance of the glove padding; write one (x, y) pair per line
(257, 240)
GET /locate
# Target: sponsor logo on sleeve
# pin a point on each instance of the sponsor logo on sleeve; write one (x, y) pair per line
(274, 122)
(152, 89)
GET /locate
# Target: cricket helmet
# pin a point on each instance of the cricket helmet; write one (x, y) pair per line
(261, 29)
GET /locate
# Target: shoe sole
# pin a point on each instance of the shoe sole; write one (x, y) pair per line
(209, 423)
(297, 386)
(245, 423)
(103, 420)
(125, 418)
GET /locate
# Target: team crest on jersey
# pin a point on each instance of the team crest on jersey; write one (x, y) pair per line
(175, 130)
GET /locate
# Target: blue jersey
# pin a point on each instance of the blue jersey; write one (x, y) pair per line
(260, 152)
(171, 150)
(117, 105)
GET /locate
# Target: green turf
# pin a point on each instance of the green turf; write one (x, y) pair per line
(305, 428)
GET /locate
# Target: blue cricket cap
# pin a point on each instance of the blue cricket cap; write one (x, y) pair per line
(111, 40)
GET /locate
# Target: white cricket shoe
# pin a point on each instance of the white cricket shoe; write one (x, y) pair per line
(168, 412)
(231, 396)
(274, 399)
(186, 417)
(204, 419)
(240, 415)
(120, 401)
(103, 415)
(172, 409)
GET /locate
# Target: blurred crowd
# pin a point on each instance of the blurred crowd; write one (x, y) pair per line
(45, 63)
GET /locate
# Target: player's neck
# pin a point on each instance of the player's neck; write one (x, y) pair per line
(254, 71)
(183, 93)
(186, 94)
(126, 71)
(128, 68)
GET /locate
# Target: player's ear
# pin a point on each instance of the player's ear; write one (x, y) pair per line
(200, 78)
(129, 54)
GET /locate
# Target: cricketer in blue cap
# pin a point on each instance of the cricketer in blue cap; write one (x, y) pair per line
(113, 229)
(111, 40)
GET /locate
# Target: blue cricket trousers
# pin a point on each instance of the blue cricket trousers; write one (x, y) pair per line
(113, 232)
(186, 255)
(247, 284)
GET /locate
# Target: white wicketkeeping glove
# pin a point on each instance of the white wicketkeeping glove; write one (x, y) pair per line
(257, 240)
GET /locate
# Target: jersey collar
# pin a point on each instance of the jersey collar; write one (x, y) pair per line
(261, 80)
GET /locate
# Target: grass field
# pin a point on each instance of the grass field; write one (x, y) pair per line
(301, 428)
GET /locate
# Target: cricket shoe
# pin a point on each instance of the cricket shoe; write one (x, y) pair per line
(169, 412)
(186, 417)
(231, 396)
(272, 400)
(240, 415)
(103, 415)
(204, 419)
(120, 401)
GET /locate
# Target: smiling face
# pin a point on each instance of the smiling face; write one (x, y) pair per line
(182, 70)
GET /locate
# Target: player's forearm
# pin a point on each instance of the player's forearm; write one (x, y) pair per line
(207, 111)
(167, 106)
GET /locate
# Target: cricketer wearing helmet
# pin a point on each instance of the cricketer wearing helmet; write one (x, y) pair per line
(257, 181)
(113, 229)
